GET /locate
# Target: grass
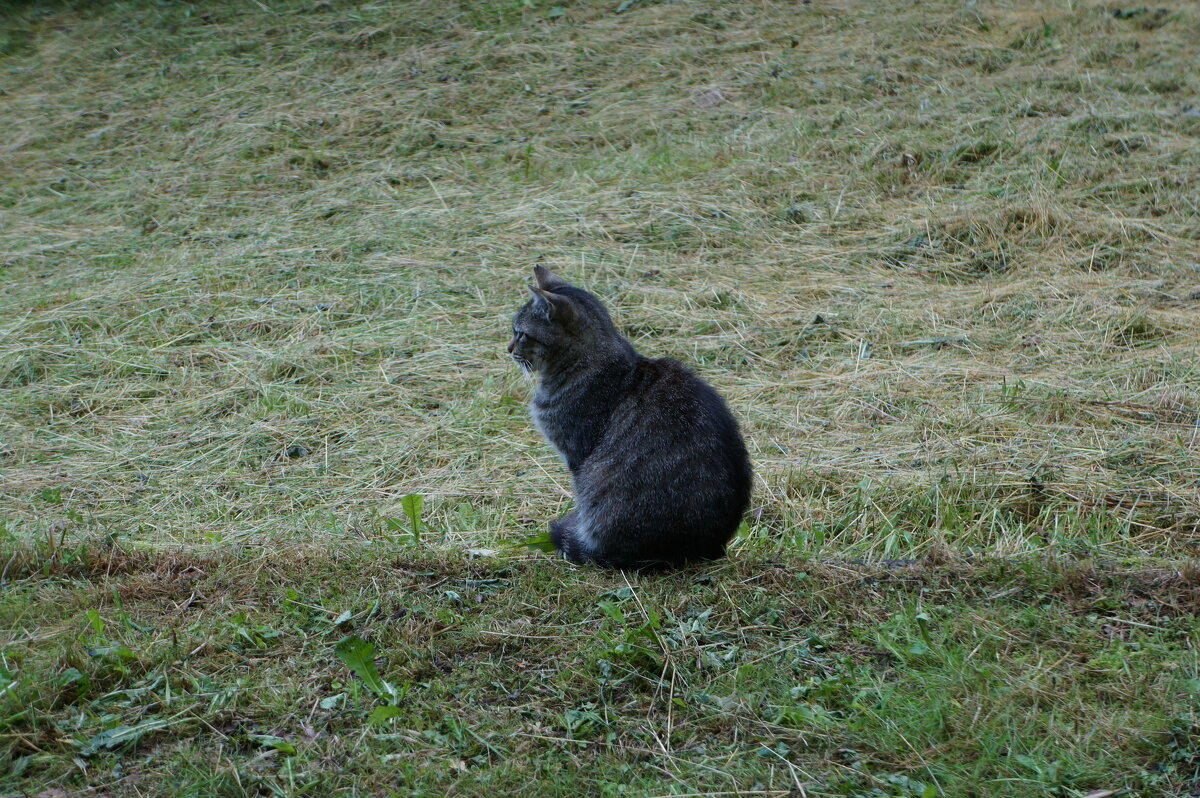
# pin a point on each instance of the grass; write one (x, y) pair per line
(258, 262)
(220, 671)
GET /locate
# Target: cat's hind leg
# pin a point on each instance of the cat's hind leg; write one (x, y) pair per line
(564, 534)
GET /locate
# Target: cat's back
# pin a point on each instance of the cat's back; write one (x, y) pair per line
(671, 476)
(673, 413)
(672, 393)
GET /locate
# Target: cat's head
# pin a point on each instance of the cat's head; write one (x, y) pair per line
(562, 325)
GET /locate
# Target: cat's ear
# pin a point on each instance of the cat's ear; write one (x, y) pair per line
(547, 279)
(550, 305)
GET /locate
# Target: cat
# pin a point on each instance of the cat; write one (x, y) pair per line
(659, 468)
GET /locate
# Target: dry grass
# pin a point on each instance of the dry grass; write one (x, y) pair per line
(258, 262)
(230, 233)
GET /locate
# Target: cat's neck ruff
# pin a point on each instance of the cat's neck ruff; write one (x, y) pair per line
(583, 375)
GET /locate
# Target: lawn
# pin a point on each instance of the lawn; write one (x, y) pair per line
(266, 471)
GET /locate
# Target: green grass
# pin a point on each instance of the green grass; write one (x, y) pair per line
(993, 678)
(257, 263)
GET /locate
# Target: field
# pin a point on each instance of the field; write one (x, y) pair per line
(266, 472)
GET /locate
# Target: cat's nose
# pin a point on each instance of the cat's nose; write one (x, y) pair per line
(511, 346)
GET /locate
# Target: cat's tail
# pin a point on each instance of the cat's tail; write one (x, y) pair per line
(574, 545)
(645, 563)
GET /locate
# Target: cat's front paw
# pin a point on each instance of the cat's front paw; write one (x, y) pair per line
(564, 534)
(562, 530)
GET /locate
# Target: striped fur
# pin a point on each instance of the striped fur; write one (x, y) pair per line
(660, 471)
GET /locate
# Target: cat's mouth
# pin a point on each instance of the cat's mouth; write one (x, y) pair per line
(525, 365)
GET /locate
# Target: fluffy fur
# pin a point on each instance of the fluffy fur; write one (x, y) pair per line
(659, 468)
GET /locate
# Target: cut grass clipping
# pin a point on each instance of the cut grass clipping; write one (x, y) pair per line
(271, 504)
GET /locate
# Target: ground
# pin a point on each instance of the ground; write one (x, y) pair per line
(258, 262)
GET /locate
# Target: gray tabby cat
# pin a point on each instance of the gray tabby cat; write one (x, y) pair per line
(660, 471)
